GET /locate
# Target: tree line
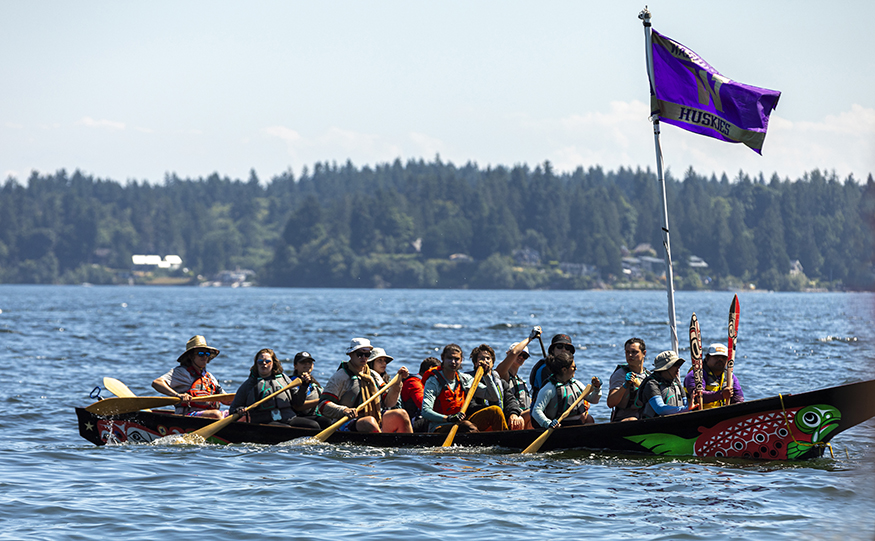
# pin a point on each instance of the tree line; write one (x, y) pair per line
(435, 224)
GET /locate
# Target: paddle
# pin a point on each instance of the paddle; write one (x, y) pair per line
(696, 354)
(115, 406)
(543, 351)
(121, 390)
(468, 398)
(533, 448)
(734, 313)
(117, 388)
(212, 428)
(325, 434)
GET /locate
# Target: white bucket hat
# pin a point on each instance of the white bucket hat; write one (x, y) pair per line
(358, 343)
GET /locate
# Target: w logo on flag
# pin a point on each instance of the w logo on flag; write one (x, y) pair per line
(687, 92)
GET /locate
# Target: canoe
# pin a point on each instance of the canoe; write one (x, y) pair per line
(784, 427)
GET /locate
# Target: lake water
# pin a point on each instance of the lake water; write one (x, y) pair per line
(57, 343)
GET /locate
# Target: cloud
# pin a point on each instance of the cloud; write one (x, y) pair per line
(622, 136)
(337, 144)
(425, 145)
(106, 124)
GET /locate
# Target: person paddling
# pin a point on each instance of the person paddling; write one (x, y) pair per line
(306, 409)
(265, 378)
(661, 392)
(559, 393)
(444, 395)
(352, 385)
(191, 379)
(625, 382)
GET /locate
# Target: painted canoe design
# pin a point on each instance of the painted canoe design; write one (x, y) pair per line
(785, 427)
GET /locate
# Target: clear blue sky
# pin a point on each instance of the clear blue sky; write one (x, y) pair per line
(135, 90)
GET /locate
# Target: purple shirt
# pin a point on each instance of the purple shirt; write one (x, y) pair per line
(711, 380)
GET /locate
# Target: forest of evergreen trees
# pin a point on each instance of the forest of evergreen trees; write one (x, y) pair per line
(434, 224)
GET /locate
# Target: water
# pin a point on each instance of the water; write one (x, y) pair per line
(59, 342)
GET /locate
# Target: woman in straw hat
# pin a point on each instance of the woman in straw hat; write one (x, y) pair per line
(191, 379)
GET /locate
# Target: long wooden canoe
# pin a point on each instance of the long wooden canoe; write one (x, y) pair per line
(784, 427)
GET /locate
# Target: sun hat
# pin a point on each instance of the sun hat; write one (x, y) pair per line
(376, 353)
(197, 342)
(303, 356)
(718, 349)
(561, 339)
(666, 360)
(358, 343)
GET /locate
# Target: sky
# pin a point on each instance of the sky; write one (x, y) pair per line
(140, 90)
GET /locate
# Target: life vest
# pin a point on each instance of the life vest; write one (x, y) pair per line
(478, 404)
(538, 376)
(633, 395)
(566, 394)
(448, 401)
(520, 390)
(203, 385)
(713, 385)
(408, 398)
(673, 388)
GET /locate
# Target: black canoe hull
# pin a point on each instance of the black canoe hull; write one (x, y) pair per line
(789, 427)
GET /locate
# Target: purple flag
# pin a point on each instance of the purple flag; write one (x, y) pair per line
(690, 94)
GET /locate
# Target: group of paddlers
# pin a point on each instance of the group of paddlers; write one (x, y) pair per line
(441, 395)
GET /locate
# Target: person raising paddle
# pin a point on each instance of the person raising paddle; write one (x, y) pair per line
(715, 393)
(191, 379)
(352, 385)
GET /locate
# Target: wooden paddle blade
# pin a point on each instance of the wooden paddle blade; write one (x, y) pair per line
(449, 441)
(696, 354)
(734, 313)
(543, 437)
(468, 398)
(211, 429)
(118, 405)
(535, 445)
(325, 434)
(117, 388)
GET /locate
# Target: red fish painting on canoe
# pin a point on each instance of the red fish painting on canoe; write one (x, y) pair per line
(762, 435)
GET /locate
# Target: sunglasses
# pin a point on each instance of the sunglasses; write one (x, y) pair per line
(265, 361)
(361, 353)
(566, 347)
(203, 354)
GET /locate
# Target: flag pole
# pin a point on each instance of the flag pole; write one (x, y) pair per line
(654, 117)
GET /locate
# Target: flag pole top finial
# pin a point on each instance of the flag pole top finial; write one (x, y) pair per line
(645, 16)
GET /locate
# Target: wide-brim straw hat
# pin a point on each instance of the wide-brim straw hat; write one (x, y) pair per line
(198, 342)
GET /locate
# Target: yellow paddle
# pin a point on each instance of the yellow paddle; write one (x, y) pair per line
(118, 405)
(325, 434)
(533, 448)
(212, 428)
(468, 398)
(119, 389)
